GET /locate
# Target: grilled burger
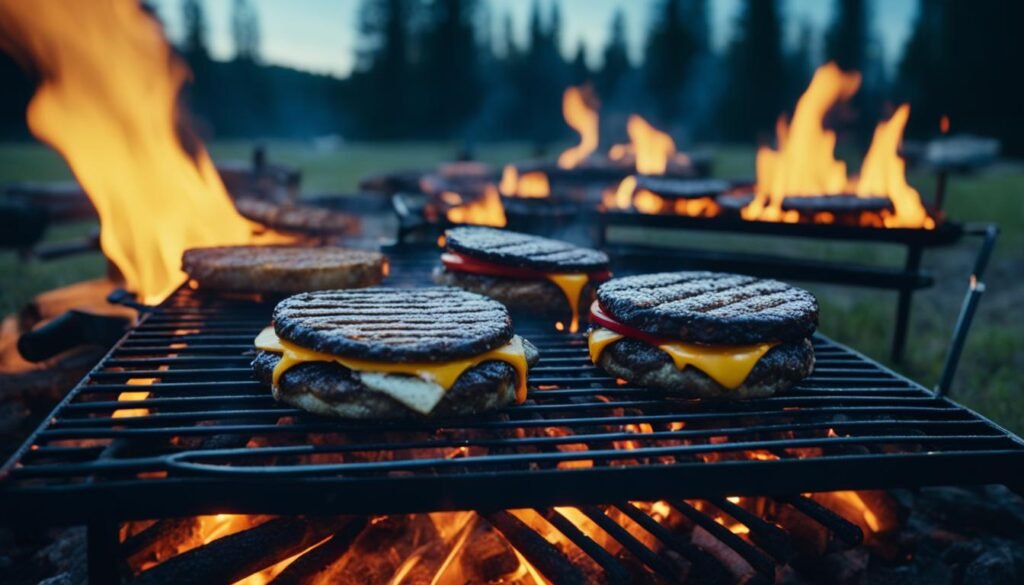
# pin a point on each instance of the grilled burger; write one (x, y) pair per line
(283, 269)
(380, 353)
(704, 334)
(546, 277)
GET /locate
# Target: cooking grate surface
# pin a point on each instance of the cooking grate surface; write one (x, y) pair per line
(171, 422)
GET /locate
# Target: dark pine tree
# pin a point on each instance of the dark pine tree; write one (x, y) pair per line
(848, 36)
(383, 89)
(579, 72)
(448, 68)
(245, 31)
(671, 49)
(753, 97)
(616, 64)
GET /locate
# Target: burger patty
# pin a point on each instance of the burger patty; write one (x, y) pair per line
(394, 325)
(330, 389)
(283, 269)
(540, 297)
(675, 188)
(640, 363)
(712, 308)
(524, 250)
(293, 217)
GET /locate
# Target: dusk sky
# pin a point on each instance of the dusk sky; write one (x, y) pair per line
(319, 35)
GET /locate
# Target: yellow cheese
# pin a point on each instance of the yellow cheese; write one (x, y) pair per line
(729, 365)
(443, 374)
(572, 287)
(599, 339)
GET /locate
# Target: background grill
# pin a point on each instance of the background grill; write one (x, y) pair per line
(213, 439)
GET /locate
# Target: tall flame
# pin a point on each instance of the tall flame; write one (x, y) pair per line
(653, 148)
(584, 120)
(884, 172)
(107, 103)
(805, 163)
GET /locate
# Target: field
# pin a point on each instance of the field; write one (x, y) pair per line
(989, 379)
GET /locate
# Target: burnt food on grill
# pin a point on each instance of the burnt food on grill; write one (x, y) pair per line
(282, 269)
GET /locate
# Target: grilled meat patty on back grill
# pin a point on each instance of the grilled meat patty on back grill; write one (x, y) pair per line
(282, 269)
(520, 270)
(383, 353)
(705, 334)
(523, 250)
(297, 218)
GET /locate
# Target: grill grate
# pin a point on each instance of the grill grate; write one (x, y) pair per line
(211, 439)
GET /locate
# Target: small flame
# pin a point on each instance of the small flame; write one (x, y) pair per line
(584, 120)
(653, 147)
(531, 185)
(134, 396)
(944, 124)
(487, 210)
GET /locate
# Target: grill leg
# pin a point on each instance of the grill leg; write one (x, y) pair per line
(102, 545)
(899, 336)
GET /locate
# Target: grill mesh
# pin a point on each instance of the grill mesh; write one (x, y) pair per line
(210, 438)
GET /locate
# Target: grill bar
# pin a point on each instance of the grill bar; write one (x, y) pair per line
(172, 422)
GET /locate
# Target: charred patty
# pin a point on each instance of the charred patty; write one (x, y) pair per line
(524, 250)
(711, 307)
(540, 297)
(297, 218)
(734, 336)
(646, 365)
(421, 328)
(282, 269)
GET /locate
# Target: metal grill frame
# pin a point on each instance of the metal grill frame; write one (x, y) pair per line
(924, 440)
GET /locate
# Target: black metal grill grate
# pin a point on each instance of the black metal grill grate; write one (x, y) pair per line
(213, 440)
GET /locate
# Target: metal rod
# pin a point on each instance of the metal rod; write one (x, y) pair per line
(975, 289)
(903, 303)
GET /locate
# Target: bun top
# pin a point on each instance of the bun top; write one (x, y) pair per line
(711, 307)
(394, 325)
(524, 250)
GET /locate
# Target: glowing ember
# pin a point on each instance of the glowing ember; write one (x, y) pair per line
(107, 104)
(805, 165)
(653, 147)
(584, 120)
(531, 185)
(487, 210)
(944, 124)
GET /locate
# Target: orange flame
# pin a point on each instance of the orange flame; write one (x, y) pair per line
(944, 124)
(884, 172)
(805, 164)
(107, 103)
(653, 147)
(531, 185)
(487, 210)
(584, 120)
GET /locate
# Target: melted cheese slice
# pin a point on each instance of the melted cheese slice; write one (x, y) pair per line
(729, 365)
(572, 287)
(444, 374)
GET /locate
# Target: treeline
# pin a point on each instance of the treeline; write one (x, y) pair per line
(454, 69)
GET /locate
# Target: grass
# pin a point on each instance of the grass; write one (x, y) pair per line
(989, 379)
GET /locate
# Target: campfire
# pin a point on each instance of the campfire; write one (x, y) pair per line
(800, 180)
